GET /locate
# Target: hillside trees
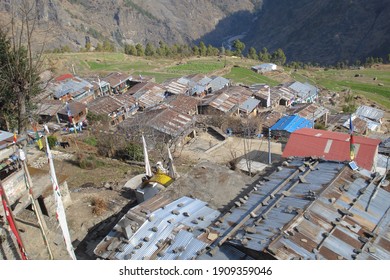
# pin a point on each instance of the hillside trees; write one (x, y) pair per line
(238, 47)
(19, 69)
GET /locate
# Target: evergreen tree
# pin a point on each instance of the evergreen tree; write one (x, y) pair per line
(195, 50)
(202, 49)
(130, 50)
(140, 49)
(149, 49)
(264, 55)
(278, 57)
(252, 54)
(238, 47)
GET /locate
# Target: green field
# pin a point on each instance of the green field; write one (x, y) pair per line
(364, 82)
(248, 77)
(194, 67)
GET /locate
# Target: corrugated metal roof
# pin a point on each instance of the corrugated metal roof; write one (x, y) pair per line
(175, 87)
(105, 105)
(49, 107)
(308, 111)
(171, 122)
(274, 209)
(292, 123)
(165, 234)
(304, 91)
(151, 96)
(218, 83)
(74, 107)
(370, 113)
(184, 103)
(331, 145)
(359, 125)
(249, 105)
(116, 78)
(74, 87)
(265, 67)
(320, 210)
(229, 98)
(356, 226)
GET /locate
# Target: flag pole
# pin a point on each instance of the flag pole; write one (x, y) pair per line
(60, 211)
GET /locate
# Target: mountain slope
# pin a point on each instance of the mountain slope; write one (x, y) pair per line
(67, 22)
(323, 30)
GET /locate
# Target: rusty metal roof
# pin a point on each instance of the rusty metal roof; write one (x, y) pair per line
(116, 78)
(74, 107)
(171, 122)
(349, 221)
(310, 111)
(105, 105)
(229, 98)
(175, 87)
(311, 210)
(49, 107)
(184, 103)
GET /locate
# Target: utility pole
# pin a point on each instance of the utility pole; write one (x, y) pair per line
(269, 146)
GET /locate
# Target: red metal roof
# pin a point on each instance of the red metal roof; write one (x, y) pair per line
(331, 145)
(64, 77)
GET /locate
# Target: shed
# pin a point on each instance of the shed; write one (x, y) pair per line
(288, 124)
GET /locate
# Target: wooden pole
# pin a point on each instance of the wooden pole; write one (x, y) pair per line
(36, 209)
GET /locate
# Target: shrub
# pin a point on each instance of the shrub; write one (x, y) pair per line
(92, 141)
(52, 140)
(99, 206)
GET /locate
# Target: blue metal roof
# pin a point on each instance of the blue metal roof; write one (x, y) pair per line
(292, 123)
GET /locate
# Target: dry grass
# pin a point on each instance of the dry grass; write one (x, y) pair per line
(99, 206)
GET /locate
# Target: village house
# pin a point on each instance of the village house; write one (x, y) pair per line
(265, 67)
(161, 225)
(184, 103)
(268, 119)
(272, 96)
(333, 146)
(196, 85)
(76, 110)
(225, 101)
(47, 110)
(372, 116)
(164, 123)
(304, 92)
(148, 95)
(283, 128)
(117, 107)
(67, 87)
(340, 123)
(310, 111)
(119, 82)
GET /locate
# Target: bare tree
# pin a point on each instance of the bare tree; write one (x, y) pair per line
(21, 66)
